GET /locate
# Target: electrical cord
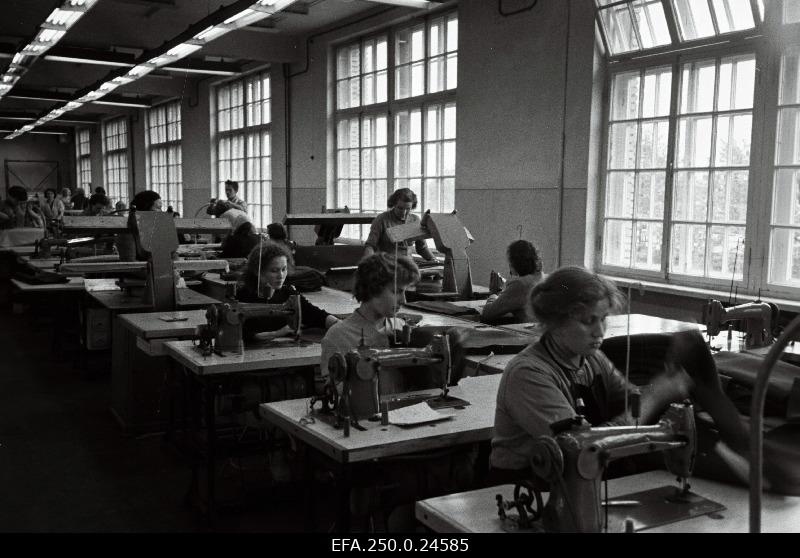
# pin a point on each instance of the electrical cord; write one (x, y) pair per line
(517, 11)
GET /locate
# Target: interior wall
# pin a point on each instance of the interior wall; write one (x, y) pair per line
(525, 138)
(39, 147)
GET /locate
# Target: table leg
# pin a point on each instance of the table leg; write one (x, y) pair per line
(343, 489)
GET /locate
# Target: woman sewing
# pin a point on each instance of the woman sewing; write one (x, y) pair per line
(564, 374)
(400, 204)
(263, 281)
(525, 266)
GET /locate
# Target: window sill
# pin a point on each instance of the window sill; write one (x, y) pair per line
(785, 305)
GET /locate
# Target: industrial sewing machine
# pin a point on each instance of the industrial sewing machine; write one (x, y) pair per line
(574, 461)
(359, 378)
(223, 332)
(451, 238)
(760, 319)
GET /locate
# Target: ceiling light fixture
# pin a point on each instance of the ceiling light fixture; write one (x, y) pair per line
(52, 30)
(161, 57)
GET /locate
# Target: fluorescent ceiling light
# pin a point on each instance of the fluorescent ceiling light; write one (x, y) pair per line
(133, 104)
(420, 4)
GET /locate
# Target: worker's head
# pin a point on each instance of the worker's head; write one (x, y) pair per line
(401, 202)
(245, 229)
(100, 190)
(120, 206)
(267, 266)
(375, 281)
(523, 258)
(66, 193)
(80, 192)
(573, 304)
(276, 231)
(97, 203)
(146, 200)
(218, 207)
(231, 188)
(17, 195)
(49, 194)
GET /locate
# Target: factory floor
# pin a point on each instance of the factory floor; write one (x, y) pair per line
(65, 466)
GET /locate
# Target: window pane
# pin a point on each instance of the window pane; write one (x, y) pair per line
(650, 195)
(653, 145)
(786, 199)
(690, 196)
(622, 152)
(694, 19)
(697, 87)
(657, 92)
(647, 245)
(729, 196)
(790, 77)
(619, 195)
(617, 237)
(733, 15)
(618, 25)
(625, 96)
(651, 23)
(694, 142)
(736, 83)
(787, 150)
(688, 249)
(791, 11)
(784, 257)
(733, 140)
(725, 248)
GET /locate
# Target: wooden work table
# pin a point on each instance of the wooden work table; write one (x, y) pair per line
(476, 511)
(473, 423)
(617, 326)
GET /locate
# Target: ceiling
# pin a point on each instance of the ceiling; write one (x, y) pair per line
(113, 34)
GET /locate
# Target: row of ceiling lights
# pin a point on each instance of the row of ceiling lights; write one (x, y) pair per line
(254, 13)
(58, 22)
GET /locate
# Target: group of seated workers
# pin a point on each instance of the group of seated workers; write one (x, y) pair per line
(17, 211)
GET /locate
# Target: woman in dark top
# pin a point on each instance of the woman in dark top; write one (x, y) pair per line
(241, 242)
(263, 281)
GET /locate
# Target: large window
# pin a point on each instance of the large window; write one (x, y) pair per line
(164, 154)
(115, 155)
(84, 160)
(396, 117)
(697, 191)
(243, 143)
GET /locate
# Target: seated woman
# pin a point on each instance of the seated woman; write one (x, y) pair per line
(98, 205)
(400, 204)
(241, 242)
(525, 267)
(263, 281)
(17, 212)
(53, 207)
(543, 384)
(374, 289)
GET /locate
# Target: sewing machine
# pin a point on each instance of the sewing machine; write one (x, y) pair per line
(359, 374)
(451, 239)
(760, 318)
(223, 332)
(573, 463)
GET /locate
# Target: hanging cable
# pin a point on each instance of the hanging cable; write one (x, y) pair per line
(504, 13)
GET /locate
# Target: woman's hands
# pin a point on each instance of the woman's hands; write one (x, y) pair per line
(285, 331)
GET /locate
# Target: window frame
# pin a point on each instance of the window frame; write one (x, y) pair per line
(749, 253)
(167, 145)
(126, 151)
(81, 158)
(389, 108)
(217, 187)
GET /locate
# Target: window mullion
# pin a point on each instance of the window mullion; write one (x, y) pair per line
(635, 26)
(713, 13)
(669, 178)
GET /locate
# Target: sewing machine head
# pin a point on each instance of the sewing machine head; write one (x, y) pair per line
(223, 331)
(359, 373)
(760, 318)
(573, 461)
